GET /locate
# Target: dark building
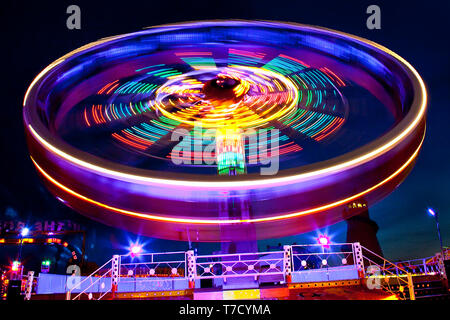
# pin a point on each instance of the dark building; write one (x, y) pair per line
(360, 228)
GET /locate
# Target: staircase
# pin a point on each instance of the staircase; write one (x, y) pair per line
(428, 288)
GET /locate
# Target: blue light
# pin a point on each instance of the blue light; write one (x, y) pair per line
(431, 212)
(25, 232)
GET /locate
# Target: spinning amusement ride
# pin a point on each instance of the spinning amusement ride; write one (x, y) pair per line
(225, 130)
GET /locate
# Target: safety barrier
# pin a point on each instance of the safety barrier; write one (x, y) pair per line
(94, 283)
(378, 275)
(178, 271)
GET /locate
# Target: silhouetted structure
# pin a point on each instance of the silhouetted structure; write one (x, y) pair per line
(360, 228)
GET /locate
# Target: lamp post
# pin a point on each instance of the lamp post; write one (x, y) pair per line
(23, 233)
(436, 217)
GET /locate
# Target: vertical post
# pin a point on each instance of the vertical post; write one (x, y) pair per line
(191, 268)
(441, 266)
(358, 258)
(425, 266)
(412, 295)
(287, 263)
(436, 217)
(442, 255)
(29, 285)
(115, 266)
(20, 250)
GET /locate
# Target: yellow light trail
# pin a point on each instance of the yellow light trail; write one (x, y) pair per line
(218, 221)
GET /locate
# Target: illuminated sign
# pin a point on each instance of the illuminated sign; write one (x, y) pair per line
(40, 226)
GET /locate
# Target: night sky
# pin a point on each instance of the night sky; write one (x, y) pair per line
(34, 34)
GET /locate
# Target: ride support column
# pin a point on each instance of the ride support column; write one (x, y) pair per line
(287, 263)
(115, 269)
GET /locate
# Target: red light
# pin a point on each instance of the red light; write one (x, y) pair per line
(65, 244)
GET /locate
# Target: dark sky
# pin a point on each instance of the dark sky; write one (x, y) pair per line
(34, 34)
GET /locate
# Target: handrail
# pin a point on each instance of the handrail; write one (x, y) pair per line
(98, 279)
(242, 261)
(322, 253)
(237, 275)
(380, 257)
(321, 245)
(408, 283)
(399, 279)
(386, 270)
(90, 276)
(237, 254)
(257, 263)
(150, 262)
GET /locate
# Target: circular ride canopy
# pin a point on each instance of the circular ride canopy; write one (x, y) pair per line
(225, 130)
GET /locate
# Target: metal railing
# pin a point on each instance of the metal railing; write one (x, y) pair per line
(316, 257)
(239, 264)
(380, 274)
(425, 266)
(351, 259)
(152, 266)
(91, 280)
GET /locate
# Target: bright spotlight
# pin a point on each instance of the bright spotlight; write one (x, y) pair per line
(25, 231)
(324, 240)
(431, 212)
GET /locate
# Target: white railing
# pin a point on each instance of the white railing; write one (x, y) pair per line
(152, 265)
(299, 259)
(379, 274)
(91, 281)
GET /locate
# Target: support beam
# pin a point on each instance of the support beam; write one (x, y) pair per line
(115, 274)
(191, 268)
(29, 285)
(287, 263)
